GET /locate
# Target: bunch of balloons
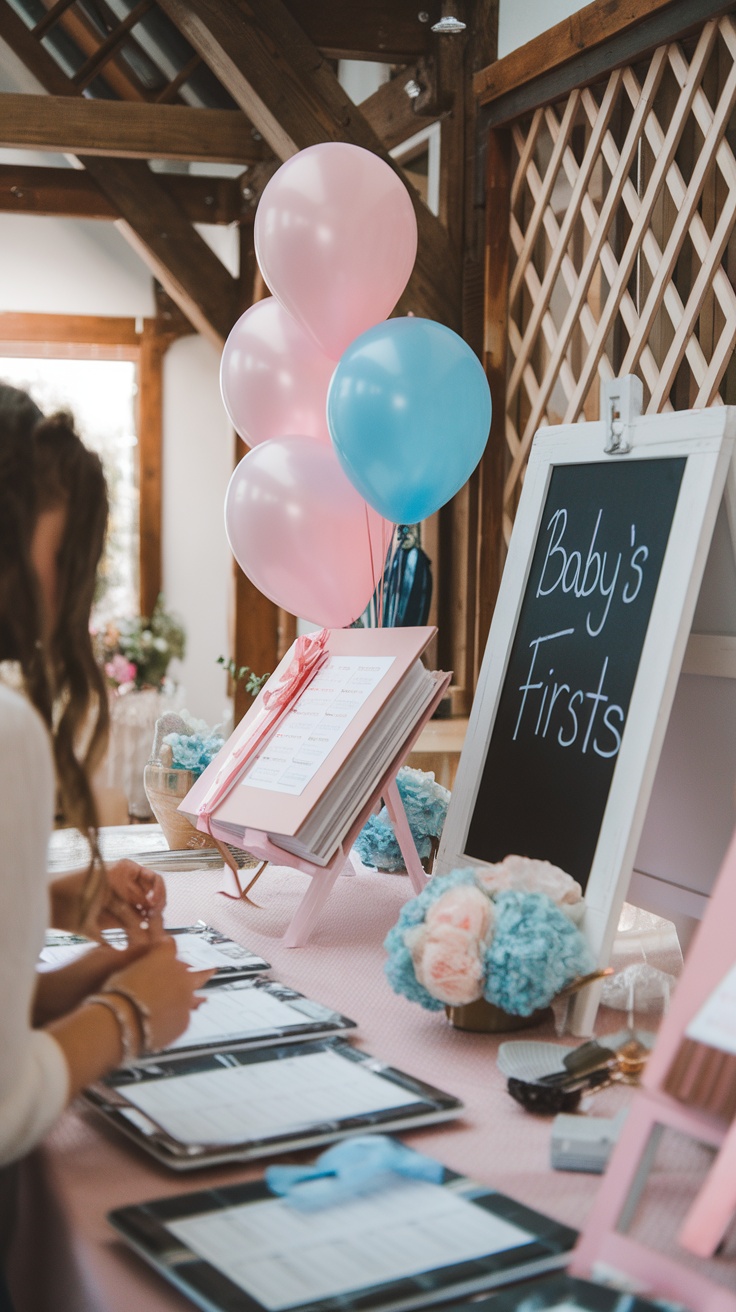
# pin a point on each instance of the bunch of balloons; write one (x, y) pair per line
(356, 422)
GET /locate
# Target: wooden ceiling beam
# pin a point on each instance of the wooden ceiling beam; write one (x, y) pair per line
(288, 91)
(387, 31)
(72, 194)
(75, 125)
(392, 112)
(151, 220)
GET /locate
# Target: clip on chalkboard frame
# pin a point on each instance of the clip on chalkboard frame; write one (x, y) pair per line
(700, 445)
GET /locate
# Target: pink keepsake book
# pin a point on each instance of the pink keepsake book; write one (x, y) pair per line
(317, 741)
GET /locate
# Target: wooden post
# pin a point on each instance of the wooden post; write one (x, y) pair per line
(153, 345)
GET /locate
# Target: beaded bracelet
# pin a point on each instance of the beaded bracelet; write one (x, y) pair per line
(142, 1012)
(128, 1044)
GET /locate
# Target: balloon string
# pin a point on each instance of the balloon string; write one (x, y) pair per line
(370, 553)
(385, 574)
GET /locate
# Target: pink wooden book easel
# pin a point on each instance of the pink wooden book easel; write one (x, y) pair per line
(604, 1239)
(323, 877)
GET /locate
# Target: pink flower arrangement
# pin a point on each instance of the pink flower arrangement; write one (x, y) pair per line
(120, 670)
(505, 933)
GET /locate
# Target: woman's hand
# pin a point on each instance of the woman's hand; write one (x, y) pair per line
(166, 987)
(59, 991)
(90, 1036)
(130, 897)
(134, 901)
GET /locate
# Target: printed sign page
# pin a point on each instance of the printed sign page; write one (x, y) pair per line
(259, 1100)
(310, 731)
(284, 1257)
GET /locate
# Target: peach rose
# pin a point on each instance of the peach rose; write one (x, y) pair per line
(415, 940)
(450, 967)
(527, 875)
(462, 907)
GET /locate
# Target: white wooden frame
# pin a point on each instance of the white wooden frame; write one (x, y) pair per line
(706, 439)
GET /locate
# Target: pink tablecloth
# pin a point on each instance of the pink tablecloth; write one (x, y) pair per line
(66, 1257)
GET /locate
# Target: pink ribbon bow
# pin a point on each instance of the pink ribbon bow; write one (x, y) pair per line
(310, 654)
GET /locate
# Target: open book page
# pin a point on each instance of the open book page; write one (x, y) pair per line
(333, 813)
(283, 1257)
(260, 1100)
(312, 728)
(307, 745)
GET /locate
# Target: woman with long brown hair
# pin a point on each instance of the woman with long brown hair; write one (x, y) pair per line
(110, 1006)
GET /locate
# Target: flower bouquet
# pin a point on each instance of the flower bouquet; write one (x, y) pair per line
(136, 653)
(503, 935)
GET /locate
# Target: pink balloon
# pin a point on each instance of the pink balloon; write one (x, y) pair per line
(273, 377)
(336, 239)
(302, 533)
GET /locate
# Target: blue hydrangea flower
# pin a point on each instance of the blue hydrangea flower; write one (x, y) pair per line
(193, 751)
(535, 951)
(425, 802)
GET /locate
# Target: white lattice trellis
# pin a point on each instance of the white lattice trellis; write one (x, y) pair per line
(623, 207)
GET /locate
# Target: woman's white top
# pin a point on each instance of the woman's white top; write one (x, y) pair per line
(34, 1077)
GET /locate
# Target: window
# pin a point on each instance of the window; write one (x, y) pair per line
(101, 396)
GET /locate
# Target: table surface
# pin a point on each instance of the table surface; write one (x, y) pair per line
(85, 1169)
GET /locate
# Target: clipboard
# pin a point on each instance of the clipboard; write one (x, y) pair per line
(199, 945)
(351, 1093)
(559, 1293)
(508, 1242)
(250, 1013)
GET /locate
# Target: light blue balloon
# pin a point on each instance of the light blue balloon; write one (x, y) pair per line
(409, 412)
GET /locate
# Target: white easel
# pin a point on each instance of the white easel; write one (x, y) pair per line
(706, 440)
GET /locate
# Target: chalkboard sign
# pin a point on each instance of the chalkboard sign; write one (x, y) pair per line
(573, 662)
(585, 649)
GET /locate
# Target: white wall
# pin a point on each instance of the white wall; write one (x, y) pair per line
(521, 20)
(197, 563)
(70, 266)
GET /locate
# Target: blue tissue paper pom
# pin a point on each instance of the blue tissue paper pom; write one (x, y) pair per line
(425, 802)
(535, 951)
(193, 751)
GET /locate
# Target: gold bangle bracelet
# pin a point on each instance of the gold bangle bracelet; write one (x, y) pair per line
(130, 1049)
(143, 1015)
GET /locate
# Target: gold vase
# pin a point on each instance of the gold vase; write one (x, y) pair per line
(485, 1018)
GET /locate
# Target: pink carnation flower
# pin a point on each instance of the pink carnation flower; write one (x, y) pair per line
(120, 670)
(450, 967)
(462, 907)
